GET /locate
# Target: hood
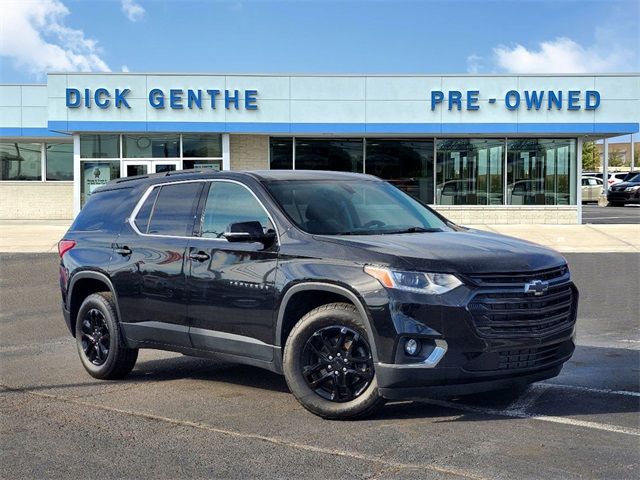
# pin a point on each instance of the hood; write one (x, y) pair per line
(622, 185)
(466, 251)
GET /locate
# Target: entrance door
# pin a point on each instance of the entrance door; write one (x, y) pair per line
(144, 167)
(132, 168)
(162, 166)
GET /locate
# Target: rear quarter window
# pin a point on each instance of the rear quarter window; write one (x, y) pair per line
(103, 211)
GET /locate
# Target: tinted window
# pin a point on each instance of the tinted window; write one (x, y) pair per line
(142, 218)
(340, 155)
(99, 146)
(355, 207)
(202, 145)
(281, 153)
(20, 161)
(98, 212)
(60, 161)
(150, 146)
(229, 203)
(175, 209)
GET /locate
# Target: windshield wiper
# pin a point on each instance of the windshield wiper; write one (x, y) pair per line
(415, 230)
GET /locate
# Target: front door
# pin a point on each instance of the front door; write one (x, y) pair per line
(131, 168)
(231, 284)
(145, 167)
(149, 266)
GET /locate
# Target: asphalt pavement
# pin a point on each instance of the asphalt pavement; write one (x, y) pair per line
(629, 214)
(182, 417)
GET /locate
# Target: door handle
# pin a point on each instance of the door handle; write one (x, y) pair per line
(199, 257)
(124, 251)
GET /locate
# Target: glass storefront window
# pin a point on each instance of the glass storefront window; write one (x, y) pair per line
(95, 174)
(541, 171)
(100, 146)
(337, 154)
(20, 161)
(202, 164)
(469, 172)
(407, 164)
(202, 146)
(281, 153)
(150, 146)
(59, 161)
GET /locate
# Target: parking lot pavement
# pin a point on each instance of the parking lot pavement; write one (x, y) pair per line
(629, 214)
(177, 417)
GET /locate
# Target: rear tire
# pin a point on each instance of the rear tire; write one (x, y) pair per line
(102, 349)
(331, 339)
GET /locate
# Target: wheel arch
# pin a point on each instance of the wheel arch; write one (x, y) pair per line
(325, 287)
(82, 285)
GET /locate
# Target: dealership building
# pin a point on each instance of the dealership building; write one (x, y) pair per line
(479, 148)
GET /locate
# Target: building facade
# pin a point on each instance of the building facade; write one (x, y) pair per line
(480, 149)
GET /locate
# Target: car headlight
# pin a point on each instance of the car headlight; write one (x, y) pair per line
(632, 189)
(419, 282)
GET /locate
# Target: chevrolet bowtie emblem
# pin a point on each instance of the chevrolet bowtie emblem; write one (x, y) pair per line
(536, 287)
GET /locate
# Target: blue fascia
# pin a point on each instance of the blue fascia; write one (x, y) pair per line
(60, 128)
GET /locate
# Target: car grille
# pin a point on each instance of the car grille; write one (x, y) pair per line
(516, 314)
(528, 357)
(511, 279)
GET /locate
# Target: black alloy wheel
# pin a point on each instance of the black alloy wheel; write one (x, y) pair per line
(95, 337)
(337, 363)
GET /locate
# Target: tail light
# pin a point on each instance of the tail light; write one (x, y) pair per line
(64, 246)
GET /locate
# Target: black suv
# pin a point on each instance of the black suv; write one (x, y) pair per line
(352, 289)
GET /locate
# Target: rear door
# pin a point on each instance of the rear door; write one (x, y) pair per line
(231, 284)
(149, 264)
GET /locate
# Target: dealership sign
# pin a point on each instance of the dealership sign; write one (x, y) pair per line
(174, 98)
(178, 99)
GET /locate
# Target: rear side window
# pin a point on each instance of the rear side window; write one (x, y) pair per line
(100, 211)
(175, 209)
(144, 214)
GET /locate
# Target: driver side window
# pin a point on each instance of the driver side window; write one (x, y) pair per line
(229, 203)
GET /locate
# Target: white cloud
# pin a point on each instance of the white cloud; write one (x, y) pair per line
(613, 48)
(125, 69)
(33, 33)
(133, 10)
(561, 55)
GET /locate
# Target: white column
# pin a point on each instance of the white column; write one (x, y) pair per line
(633, 154)
(578, 171)
(77, 178)
(226, 152)
(605, 166)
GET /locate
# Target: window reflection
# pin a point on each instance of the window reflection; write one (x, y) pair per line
(150, 146)
(470, 172)
(20, 161)
(408, 164)
(340, 155)
(539, 172)
(59, 161)
(202, 145)
(281, 153)
(100, 146)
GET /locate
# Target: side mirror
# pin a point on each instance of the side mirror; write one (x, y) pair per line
(249, 232)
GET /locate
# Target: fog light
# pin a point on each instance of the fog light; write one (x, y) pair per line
(411, 346)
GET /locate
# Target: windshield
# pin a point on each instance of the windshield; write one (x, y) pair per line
(353, 207)
(632, 178)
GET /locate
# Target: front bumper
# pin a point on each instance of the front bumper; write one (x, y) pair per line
(485, 350)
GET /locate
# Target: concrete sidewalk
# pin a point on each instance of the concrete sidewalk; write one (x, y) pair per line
(17, 236)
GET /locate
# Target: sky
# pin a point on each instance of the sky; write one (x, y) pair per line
(348, 36)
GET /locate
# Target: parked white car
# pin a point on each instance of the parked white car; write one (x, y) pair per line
(591, 188)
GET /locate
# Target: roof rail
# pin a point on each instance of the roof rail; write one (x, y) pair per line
(131, 179)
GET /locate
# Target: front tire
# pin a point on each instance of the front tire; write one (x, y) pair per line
(328, 364)
(101, 347)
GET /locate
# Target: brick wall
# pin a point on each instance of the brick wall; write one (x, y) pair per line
(36, 200)
(479, 215)
(249, 152)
